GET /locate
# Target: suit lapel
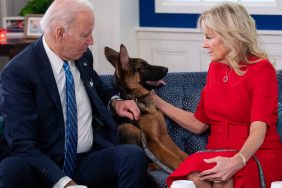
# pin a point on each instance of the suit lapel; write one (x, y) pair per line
(89, 84)
(47, 75)
(85, 68)
(85, 74)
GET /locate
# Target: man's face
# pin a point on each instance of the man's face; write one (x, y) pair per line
(78, 37)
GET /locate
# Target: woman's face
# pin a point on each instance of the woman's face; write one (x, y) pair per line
(215, 46)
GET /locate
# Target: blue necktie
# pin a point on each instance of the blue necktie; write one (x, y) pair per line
(71, 123)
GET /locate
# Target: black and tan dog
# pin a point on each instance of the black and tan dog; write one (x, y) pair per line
(136, 78)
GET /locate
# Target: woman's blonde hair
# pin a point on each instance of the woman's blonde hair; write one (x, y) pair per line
(232, 23)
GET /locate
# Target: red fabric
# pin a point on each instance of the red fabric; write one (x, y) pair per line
(229, 108)
(196, 163)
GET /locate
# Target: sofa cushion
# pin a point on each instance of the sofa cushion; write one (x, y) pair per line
(183, 91)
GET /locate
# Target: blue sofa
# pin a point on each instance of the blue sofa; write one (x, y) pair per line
(183, 90)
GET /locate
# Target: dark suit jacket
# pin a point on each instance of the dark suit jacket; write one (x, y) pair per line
(32, 111)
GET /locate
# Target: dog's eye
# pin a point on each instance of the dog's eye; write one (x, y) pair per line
(142, 67)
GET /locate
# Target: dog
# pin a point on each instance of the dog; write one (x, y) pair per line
(136, 79)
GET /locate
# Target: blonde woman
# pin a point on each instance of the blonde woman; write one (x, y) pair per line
(238, 105)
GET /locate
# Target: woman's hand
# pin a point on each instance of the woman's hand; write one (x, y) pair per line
(224, 169)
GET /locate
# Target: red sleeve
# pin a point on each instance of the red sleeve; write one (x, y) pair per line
(264, 90)
(200, 113)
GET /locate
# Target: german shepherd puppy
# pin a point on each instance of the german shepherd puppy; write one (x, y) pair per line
(135, 79)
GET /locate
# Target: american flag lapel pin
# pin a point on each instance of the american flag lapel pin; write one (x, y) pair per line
(91, 83)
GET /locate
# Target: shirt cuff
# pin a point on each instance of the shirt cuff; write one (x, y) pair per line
(62, 182)
(115, 97)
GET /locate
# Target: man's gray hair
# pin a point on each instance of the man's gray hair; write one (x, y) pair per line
(63, 13)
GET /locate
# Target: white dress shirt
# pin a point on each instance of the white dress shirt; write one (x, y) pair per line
(84, 111)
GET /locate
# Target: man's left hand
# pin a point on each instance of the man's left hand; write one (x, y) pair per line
(126, 108)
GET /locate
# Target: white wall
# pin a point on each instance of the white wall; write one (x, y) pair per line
(180, 49)
(115, 23)
(3, 10)
(14, 6)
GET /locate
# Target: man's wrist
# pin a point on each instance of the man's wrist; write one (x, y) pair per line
(62, 182)
(114, 98)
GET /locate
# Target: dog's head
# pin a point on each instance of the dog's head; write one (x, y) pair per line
(134, 75)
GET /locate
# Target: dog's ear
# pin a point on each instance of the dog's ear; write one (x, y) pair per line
(111, 55)
(123, 57)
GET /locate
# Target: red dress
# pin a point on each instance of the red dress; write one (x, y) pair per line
(229, 108)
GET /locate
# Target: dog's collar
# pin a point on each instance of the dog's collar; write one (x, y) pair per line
(136, 99)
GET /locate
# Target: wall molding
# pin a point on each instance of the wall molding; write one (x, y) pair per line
(180, 49)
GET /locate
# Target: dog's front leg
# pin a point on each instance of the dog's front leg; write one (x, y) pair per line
(129, 134)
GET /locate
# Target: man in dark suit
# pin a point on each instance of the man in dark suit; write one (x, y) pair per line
(34, 107)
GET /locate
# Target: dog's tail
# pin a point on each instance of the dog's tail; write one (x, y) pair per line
(152, 156)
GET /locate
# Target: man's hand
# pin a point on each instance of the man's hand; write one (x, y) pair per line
(70, 183)
(126, 108)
